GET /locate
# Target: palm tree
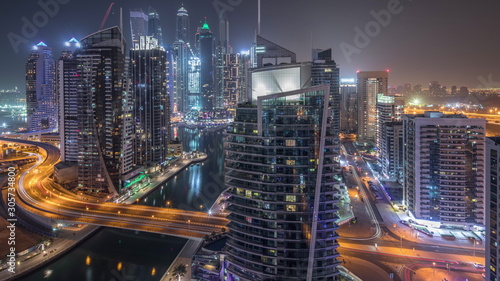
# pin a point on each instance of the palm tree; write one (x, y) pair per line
(179, 271)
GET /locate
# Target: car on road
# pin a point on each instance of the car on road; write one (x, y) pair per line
(478, 265)
(405, 222)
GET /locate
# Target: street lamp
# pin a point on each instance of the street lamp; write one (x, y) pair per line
(433, 268)
(475, 247)
(402, 241)
(201, 207)
(168, 203)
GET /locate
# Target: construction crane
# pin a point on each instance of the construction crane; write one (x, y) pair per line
(106, 15)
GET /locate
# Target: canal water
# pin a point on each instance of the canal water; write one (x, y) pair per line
(122, 255)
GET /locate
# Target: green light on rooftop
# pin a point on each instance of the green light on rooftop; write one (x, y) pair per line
(205, 26)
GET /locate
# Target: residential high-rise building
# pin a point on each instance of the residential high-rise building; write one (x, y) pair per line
(235, 79)
(207, 69)
(104, 112)
(154, 26)
(221, 50)
(181, 54)
(151, 103)
(370, 84)
(182, 26)
(390, 110)
(324, 70)
(68, 81)
(280, 174)
(41, 94)
(139, 23)
(194, 83)
(492, 215)
(444, 168)
(348, 100)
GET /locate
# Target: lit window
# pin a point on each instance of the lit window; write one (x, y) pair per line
(291, 208)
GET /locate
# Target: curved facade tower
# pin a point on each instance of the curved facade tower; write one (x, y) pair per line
(280, 174)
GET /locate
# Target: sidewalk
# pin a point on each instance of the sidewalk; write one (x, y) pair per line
(184, 257)
(65, 242)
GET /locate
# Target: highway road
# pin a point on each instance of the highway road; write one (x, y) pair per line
(42, 196)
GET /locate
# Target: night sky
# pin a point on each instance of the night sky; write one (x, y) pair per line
(452, 41)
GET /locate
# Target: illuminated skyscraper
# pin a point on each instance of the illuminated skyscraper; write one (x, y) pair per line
(390, 110)
(444, 168)
(154, 26)
(182, 30)
(68, 81)
(41, 94)
(104, 109)
(151, 103)
(138, 25)
(348, 99)
(492, 188)
(370, 84)
(207, 69)
(280, 174)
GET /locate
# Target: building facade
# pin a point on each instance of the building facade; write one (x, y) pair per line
(41, 93)
(139, 23)
(151, 103)
(348, 99)
(105, 112)
(444, 168)
(207, 45)
(154, 26)
(492, 214)
(390, 110)
(280, 174)
(370, 84)
(67, 82)
(182, 26)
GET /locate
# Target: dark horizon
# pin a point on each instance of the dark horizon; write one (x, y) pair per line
(449, 41)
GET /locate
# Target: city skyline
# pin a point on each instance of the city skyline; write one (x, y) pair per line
(308, 141)
(332, 25)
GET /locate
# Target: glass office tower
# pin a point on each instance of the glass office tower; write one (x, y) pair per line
(280, 174)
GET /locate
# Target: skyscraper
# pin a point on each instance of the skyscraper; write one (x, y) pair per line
(444, 168)
(138, 25)
(194, 83)
(68, 81)
(41, 95)
(279, 172)
(370, 84)
(492, 215)
(154, 26)
(105, 152)
(390, 110)
(151, 103)
(207, 69)
(348, 100)
(182, 30)
(180, 51)
(235, 79)
(324, 70)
